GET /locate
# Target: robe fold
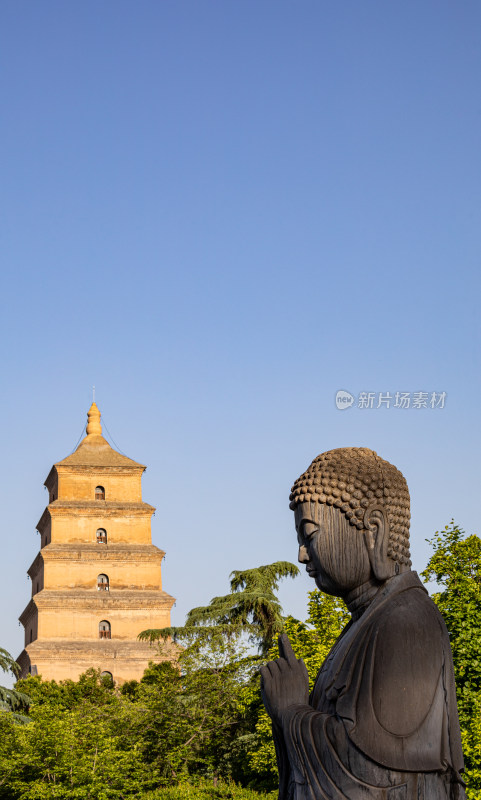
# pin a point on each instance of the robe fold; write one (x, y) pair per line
(382, 720)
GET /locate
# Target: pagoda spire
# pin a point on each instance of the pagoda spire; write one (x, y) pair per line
(94, 427)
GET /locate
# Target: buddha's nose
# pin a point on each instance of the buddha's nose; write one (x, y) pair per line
(302, 556)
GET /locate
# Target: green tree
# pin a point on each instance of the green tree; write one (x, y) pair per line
(79, 744)
(12, 701)
(455, 566)
(192, 714)
(251, 607)
(227, 690)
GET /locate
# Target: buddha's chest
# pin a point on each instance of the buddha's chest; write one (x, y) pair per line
(324, 694)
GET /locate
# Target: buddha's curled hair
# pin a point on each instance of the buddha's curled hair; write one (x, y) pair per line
(353, 478)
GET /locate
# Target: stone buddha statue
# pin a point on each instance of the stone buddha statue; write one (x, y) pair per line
(381, 722)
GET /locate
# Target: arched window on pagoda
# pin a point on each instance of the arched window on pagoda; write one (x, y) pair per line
(104, 629)
(107, 678)
(102, 583)
(99, 493)
(101, 536)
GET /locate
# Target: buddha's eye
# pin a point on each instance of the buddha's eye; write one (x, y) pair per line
(309, 529)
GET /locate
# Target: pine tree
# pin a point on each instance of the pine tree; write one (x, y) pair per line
(251, 607)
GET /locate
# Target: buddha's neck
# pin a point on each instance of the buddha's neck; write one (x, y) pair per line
(361, 597)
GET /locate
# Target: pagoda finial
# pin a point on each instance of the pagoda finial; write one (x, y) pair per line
(94, 427)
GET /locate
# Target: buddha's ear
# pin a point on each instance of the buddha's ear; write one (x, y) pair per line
(376, 536)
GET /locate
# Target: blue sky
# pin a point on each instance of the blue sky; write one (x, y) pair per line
(220, 213)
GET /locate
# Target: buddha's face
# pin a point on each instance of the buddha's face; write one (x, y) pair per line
(334, 552)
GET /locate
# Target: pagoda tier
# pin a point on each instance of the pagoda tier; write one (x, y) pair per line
(61, 659)
(96, 582)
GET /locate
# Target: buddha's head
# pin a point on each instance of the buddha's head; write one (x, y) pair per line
(352, 519)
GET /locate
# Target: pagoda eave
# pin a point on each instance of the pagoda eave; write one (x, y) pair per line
(130, 599)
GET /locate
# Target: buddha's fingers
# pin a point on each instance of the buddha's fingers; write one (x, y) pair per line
(286, 651)
(269, 670)
(266, 677)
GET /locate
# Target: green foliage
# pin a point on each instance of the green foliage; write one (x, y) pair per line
(87, 739)
(251, 607)
(192, 720)
(207, 790)
(79, 744)
(193, 715)
(12, 701)
(67, 694)
(7, 663)
(455, 566)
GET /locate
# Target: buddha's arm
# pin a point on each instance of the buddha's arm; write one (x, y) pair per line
(308, 763)
(285, 692)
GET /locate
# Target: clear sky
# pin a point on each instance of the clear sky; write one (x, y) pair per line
(220, 213)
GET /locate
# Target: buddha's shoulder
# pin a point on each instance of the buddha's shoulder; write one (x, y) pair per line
(410, 639)
(411, 613)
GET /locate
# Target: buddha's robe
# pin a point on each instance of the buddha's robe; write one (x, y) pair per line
(382, 721)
